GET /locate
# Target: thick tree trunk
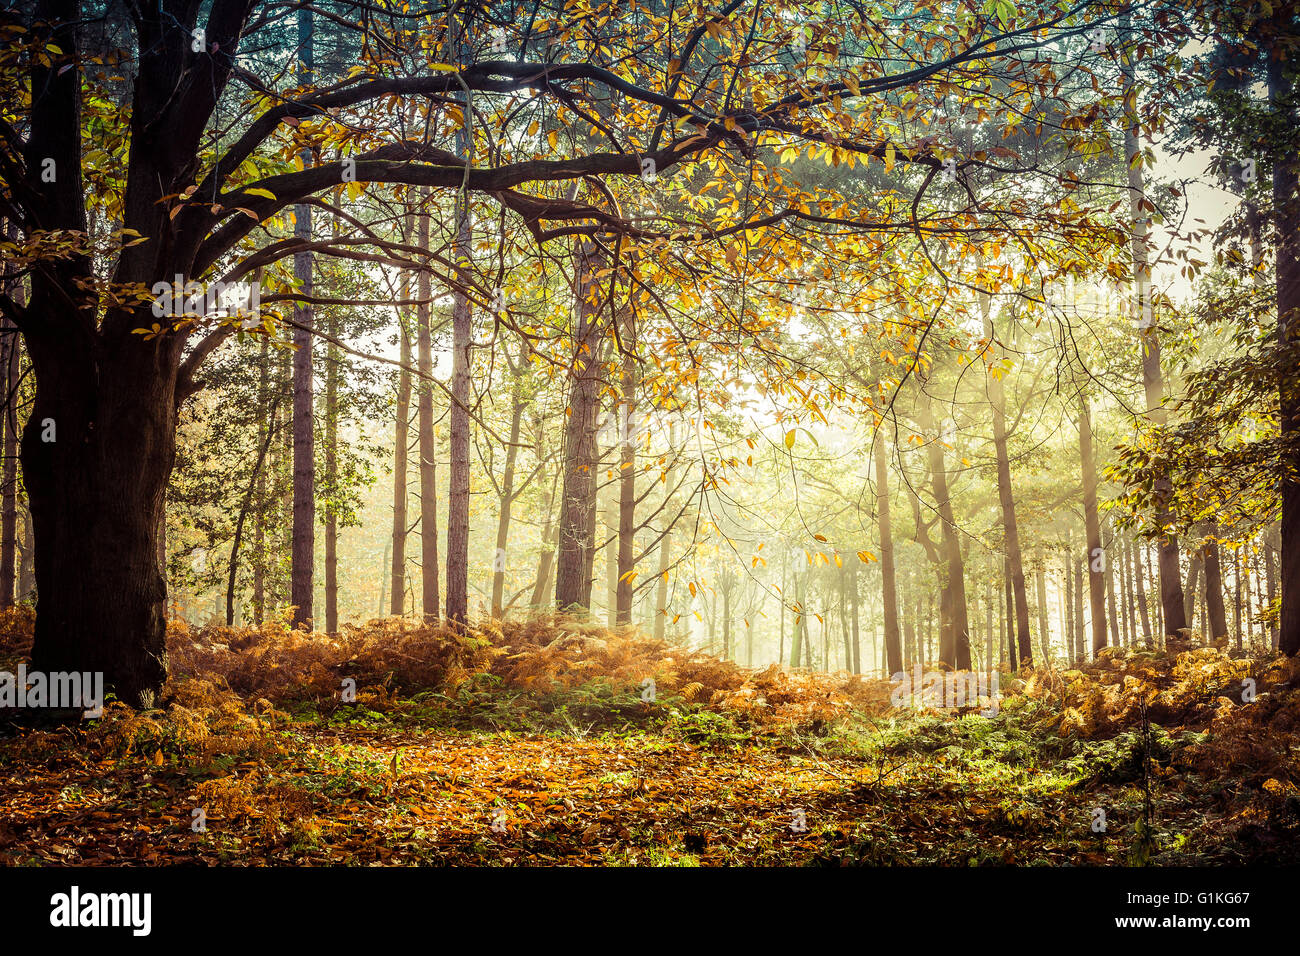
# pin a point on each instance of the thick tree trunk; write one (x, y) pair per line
(96, 454)
(1194, 569)
(577, 530)
(1286, 212)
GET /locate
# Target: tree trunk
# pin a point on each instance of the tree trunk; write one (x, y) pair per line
(800, 622)
(401, 449)
(546, 559)
(888, 585)
(1044, 636)
(954, 647)
(1216, 615)
(665, 549)
(428, 452)
(96, 454)
(332, 358)
(9, 427)
(302, 576)
(857, 643)
(507, 500)
(1096, 557)
(627, 470)
(577, 530)
(1067, 614)
(1286, 211)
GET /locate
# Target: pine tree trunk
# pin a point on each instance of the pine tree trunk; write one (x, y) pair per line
(303, 560)
(1286, 211)
(507, 500)
(1044, 634)
(665, 549)
(888, 580)
(1171, 598)
(1096, 556)
(9, 427)
(401, 450)
(332, 358)
(428, 452)
(954, 647)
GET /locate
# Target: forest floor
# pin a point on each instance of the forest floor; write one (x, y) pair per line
(534, 746)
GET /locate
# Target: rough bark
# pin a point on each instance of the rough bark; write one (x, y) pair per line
(303, 554)
(577, 524)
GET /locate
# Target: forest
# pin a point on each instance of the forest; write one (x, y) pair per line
(727, 433)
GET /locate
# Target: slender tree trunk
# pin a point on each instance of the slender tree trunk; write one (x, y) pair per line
(332, 358)
(1270, 573)
(800, 623)
(1080, 647)
(1067, 610)
(304, 438)
(1012, 612)
(627, 470)
(1112, 553)
(458, 473)
(430, 600)
(507, 499)
(9, 515)
(857, 644)
(1096, 558)
(726, 620)
(401, 449)
(888, 581)
(1216, 617)
(666, 544)
(1044, 634)
(955, 639)
(546, 557)
(780, 647)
